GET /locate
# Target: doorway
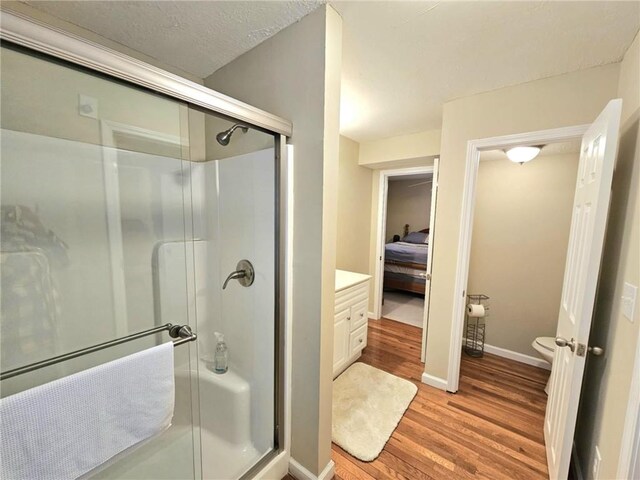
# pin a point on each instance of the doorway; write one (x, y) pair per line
(545, 137)
(521, 223)
(406, 215)
(598, 150)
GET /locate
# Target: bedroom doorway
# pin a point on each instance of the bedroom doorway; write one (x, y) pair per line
(406, 214)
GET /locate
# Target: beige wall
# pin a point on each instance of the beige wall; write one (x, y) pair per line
(332, 85)
(354, 210)
(53, 111)
(241, 143)
(521, 227)
(296, 74)
(402, 147)
(572, 99)
(601, 417)
(407, 204)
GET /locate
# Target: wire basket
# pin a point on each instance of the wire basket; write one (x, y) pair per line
(475, 327)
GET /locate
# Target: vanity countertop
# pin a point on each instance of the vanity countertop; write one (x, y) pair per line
(345, 279)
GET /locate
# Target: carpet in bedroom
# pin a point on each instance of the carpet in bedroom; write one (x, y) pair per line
(404, 308)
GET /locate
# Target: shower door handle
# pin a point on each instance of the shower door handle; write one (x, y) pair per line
(244, 273)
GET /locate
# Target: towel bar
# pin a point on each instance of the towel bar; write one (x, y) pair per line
(183, 332)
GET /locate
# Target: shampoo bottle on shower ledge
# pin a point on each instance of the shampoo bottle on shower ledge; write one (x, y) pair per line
(221, 355)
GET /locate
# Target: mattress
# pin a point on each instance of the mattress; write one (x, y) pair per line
(412, 272)
(401, 277)
(405, 252)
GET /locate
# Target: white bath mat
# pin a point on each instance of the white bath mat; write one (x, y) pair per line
(367, 407)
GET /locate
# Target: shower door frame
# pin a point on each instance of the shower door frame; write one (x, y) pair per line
(19, 29)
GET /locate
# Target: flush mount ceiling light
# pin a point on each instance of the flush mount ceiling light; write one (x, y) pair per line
(522, 155)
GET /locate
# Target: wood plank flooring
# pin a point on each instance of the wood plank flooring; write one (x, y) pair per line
(491, 428)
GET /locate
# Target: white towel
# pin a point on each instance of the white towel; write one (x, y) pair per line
(70, 426)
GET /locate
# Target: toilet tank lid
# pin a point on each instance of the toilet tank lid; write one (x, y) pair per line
(547, 342)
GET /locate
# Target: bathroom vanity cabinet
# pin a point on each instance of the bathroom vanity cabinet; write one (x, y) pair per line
(351, 318)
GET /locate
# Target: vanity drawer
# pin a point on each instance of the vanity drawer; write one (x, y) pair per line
(358, 340)
(359, 314)
(350, 296)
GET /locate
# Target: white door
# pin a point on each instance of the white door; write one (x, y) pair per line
(588, 222)
(432, 222)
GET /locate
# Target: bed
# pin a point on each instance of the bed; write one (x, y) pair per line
(405, 262)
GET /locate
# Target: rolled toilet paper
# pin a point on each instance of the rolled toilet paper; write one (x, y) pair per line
(475, 310)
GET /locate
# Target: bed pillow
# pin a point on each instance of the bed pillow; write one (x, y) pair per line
(416, 237)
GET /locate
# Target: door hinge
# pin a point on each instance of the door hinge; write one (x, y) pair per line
(581, 350)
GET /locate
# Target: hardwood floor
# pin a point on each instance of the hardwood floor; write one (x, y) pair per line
(491, 428)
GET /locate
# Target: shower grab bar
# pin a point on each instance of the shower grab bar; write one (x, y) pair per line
(183, 332)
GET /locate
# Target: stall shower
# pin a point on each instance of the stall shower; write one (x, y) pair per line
(123, 210)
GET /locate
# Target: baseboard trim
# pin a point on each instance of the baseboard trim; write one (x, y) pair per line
(518, 357)
(575, 464)
(432, 381)
(329, 471)
(301, 473)
(371, 316)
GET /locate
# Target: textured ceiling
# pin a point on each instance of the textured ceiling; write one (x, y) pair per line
(196, 36)
(403, 60)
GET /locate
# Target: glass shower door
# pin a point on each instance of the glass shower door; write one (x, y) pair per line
(123, 210)
(234, 201)
(95, 237)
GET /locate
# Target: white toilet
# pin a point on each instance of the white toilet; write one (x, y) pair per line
(545, 346)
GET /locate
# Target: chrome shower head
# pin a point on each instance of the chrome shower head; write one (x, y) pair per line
(223, 138)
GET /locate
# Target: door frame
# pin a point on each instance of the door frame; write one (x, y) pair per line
(383, 188)
(474, 148)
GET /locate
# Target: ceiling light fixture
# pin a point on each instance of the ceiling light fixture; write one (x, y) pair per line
(522, 155)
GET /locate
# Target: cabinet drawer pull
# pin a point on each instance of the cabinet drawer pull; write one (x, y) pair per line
(361, 315)
(360, 340)
(348, 318)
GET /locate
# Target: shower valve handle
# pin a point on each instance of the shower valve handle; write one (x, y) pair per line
(244, 273)
(234, 276)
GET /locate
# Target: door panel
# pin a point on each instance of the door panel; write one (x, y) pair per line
(342, 327)
(591, 203)
(359, 314)
(357, 340)
(432, 223)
